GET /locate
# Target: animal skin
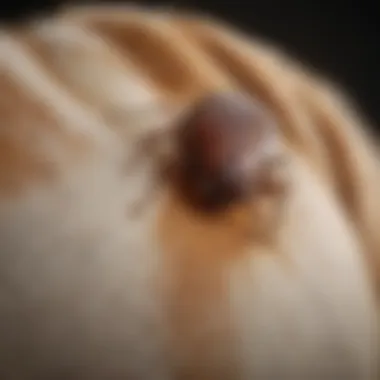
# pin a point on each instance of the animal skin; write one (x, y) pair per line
(180, 201)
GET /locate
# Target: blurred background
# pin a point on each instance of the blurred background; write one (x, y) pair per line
(340, 38)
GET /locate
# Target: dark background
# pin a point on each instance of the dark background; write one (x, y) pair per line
(338, 37)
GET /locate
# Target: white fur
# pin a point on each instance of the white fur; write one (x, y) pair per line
(307, 311)
(78, 277)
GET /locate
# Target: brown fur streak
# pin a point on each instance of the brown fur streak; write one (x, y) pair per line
(353, 162)
(26, 124)
(203, 57)
(22, 121)
(172, 62)
(200, 253)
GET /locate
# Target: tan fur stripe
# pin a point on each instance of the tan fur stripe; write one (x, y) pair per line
(19, 161)
(200, 253)
(186, 58)
(40, 82)
(173, 64)
(34, 110)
